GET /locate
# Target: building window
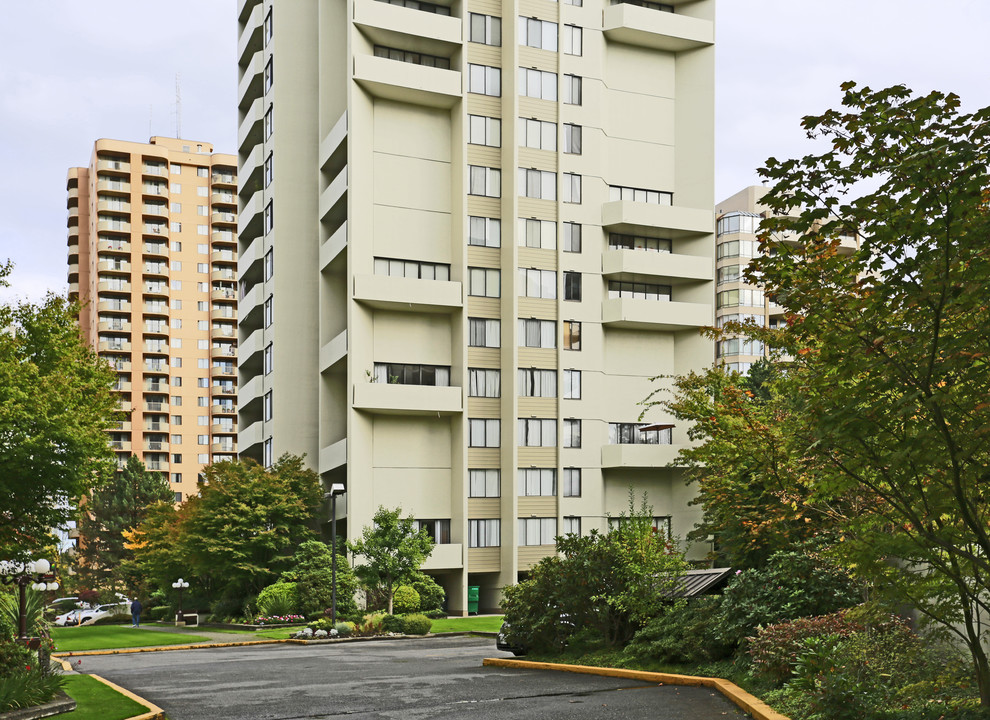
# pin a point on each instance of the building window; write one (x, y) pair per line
(484, 232)
(537, 283)
(537, 233)
(538, 184)
(572, 40)
(572, 482)
(537, 482)
(635, 242)
(539, 34)
(738, 222)
(572, 237)
(572, 384)
(202, 439)
(578, 3)
(484, 130)
(412, 269)
(269, 216)
(484, 382)
(537, 531)
(572, 90)
(269, 264)
(438, 530)
(407, 374)
(269, 25)
(638, 291)
(739, 346)
(537, 134)
(484, 432)
(744, 296)
(537, 84)
(572, 433)
(269, 74)
(572, 335)
(744, 318)
(483, 483)
(485, 29)
(484, 282)
(729, 274)
(572, 139)
(269, 122)
(483, 332)
(269, 310)
(484, 80)
(414, 58)
(572, 286)
(634, 434)
(537, 333)
(659, 523)
(269, 358)
(269, 169)
(268, 453)
(571, 188)
(537, 432)
(268, 411)
(653, 197)
(484, 533)
(484, 181)
(572, 525)
(534, 382)
(176, 477)
(738, 248)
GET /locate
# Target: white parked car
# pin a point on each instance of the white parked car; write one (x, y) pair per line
(88, 617)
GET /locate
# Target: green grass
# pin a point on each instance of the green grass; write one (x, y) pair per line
(96, 701)
(486, 623)
(106, 637)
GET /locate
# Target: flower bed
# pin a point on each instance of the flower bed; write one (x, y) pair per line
(269, 620)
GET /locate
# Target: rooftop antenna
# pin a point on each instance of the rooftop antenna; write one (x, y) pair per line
(178, 107)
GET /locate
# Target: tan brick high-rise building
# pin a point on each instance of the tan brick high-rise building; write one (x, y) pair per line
(470, 233)
(153, 258)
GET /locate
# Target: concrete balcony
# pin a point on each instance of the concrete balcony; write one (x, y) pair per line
(392, 25)
(112, 246)
(626, 216)
(333, 456)
(406, 82)
(156, 446)
(445, 556)
(121, 166)
(251, 128)
(333, 352)
(224, 409)
(223, 447)
(105, 346)
(252, 345)
(156, 406)
(634, 25)
(113, 186)
(394, 399)
(111, 306)
(642, 456)
(251, 435)
(400, 293)
(113, 226)
(250, 40)
(672, 267)
(223, 276)
(121, 327)
(109, 266)
(655, 315)
(249, 219)
(249, 86)
(107, 286)
(334, 192)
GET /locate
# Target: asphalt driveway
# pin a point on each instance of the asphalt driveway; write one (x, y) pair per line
(408, 679)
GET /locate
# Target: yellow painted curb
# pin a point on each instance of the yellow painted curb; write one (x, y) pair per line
(160, 648)
(154, 712)
(750, 703)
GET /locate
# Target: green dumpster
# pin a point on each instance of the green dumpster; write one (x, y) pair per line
(474, 592)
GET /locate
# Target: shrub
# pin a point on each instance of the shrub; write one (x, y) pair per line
(159, 612)
(279, 619)
(405, 600)
(344, 629)
(417, 624)
(436, 614)
(14, 657)
(393, 624)
(683, 634)
(312, 571)
(24, 688)
(229, 608)
(278, 599)
(431, 595)
(321, 624)
(775, 648)
(792, 585)
(369, 625)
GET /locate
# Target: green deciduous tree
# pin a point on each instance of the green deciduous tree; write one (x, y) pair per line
(890, 344)
(120, 504)
(56, 402)
(311, 571)
(392, 550)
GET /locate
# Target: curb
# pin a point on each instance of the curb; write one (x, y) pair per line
(154, 712)
(744, 700)
(161, 648)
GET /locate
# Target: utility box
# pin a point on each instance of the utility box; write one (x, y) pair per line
(474, 594)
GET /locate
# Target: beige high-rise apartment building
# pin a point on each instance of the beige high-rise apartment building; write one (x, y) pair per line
(470, 233)
(153, 258)
(737, 224)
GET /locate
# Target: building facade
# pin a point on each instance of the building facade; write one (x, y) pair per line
(470, 233)
(737, 225)
(153, 259)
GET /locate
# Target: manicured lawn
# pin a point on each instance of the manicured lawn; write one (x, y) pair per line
(106, 637)
(96, 701)
(279, 633)
(486, 623)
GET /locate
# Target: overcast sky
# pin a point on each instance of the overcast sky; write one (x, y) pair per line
(72, 72)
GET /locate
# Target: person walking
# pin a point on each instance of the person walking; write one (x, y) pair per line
(136, 613)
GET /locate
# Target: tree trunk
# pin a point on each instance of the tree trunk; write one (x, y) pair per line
(390, 603)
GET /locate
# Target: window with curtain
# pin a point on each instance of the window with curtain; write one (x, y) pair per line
(408, 374)
(483, 332)
(537, 531)
(537, 432)
(484, 533)
(537, 333)
(484, 382)
(535, 482)
(483, 483)
(534, 382)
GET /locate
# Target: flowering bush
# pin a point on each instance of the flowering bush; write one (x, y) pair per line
(775, 648)
(279, 619)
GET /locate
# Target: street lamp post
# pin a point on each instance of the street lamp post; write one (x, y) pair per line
(40, 575)
(180, 585)
(335, 490)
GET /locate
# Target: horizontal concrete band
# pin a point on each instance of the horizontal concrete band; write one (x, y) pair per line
(750, 703)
